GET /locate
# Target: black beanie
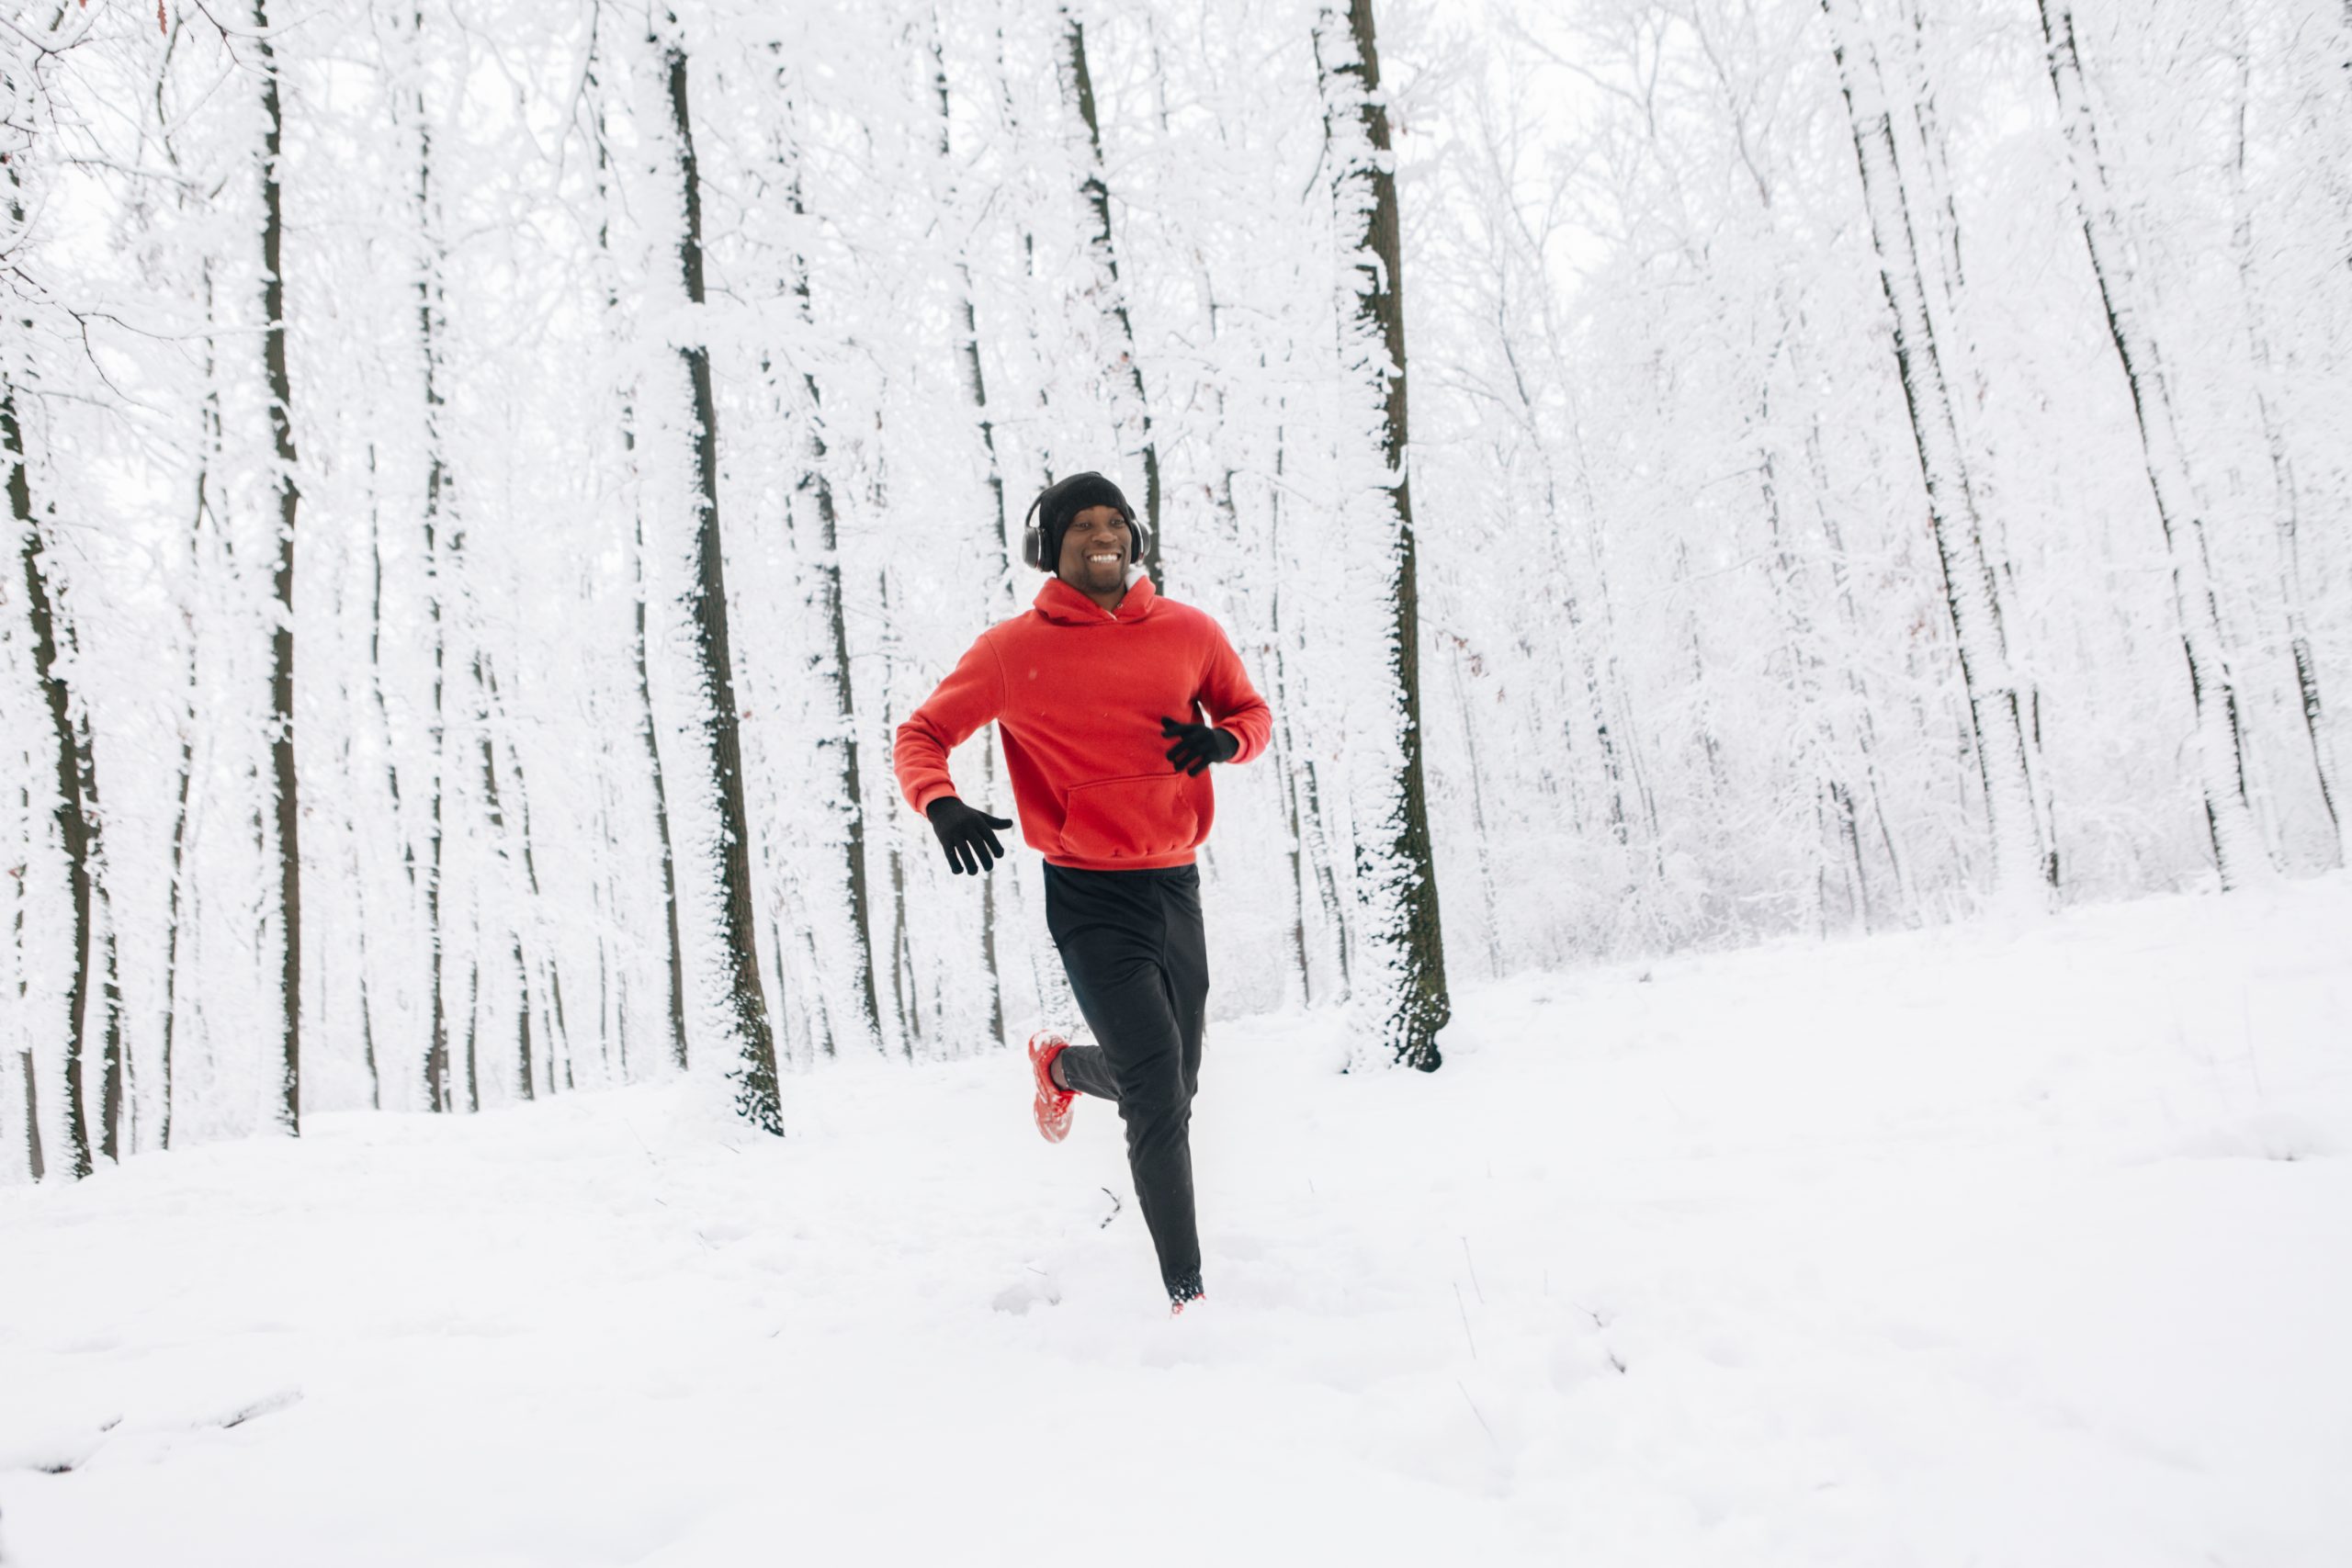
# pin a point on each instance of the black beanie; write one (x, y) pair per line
(1065, 499)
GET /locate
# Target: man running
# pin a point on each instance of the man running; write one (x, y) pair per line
(1099, 692)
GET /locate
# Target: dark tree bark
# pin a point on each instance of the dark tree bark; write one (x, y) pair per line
(281, 642)
(112, 1066)
(68, 811)
(1094, 191)
(1394, 854)
(33, 1160)
(757, 1098)
(473, 1031)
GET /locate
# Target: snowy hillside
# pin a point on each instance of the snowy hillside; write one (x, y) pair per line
(1987, 1245)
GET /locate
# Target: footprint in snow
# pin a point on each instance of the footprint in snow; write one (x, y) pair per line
(1037, 1288)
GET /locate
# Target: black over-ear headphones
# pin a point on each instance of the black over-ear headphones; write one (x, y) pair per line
(1033, 535)
(1033, 531)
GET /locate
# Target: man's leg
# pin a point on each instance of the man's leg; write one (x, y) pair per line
(1184, 958)
(1111, 928)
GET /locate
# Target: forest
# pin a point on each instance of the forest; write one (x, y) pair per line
(485, 480)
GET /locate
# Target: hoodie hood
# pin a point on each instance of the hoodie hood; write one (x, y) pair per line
(1058, 602)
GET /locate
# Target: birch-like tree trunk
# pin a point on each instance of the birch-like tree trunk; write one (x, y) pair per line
(743, 1002)
(1395, 876)
(1124, 379)
(281, 642)
(2238, 852)
(2025, 864)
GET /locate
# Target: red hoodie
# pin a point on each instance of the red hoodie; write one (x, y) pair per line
(1077, 691)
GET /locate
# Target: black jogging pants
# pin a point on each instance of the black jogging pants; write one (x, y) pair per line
(1137, 960)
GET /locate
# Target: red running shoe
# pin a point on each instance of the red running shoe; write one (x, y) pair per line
(1053, 1106)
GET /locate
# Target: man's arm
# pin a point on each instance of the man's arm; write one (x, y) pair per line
(1233, 703)
(970, 696)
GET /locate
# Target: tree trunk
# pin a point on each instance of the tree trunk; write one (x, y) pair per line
(108, 1026)
(988, 916)
(2023, 858)
(556, 1034)
(905, 1000)
(281, 642)
(1281, 747)
(1312, 849)
(1481, 845)
(209, 441)
(361, 793)
(836, 672)
(647, 727)
(1596, 699)
(677, 986)
(903, 995)
(995, 550)
(1818, 751)
(2269, 397)
(71, 816)
(33, 1160)
(1396, 875)
(175, 897)
(743, 1002)
(1866, 736)
(2238, 852)
(526, 1074)
(1111, 299)
(440, 553)
(473, 1031)
(503, 836)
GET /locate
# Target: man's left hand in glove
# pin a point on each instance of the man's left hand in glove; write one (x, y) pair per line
(1198, 745)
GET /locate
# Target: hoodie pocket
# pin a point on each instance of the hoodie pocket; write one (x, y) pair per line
(1136, 818)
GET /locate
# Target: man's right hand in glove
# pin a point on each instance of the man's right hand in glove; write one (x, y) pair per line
(966, 835)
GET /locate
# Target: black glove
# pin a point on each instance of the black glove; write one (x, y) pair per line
(1198, 745)
(966, 835)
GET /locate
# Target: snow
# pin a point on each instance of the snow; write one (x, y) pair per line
(2018, 1243)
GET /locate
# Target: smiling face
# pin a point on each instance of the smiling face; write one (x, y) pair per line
(1095, 548)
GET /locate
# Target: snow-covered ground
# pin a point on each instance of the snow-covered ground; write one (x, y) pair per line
(1994, 1245)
